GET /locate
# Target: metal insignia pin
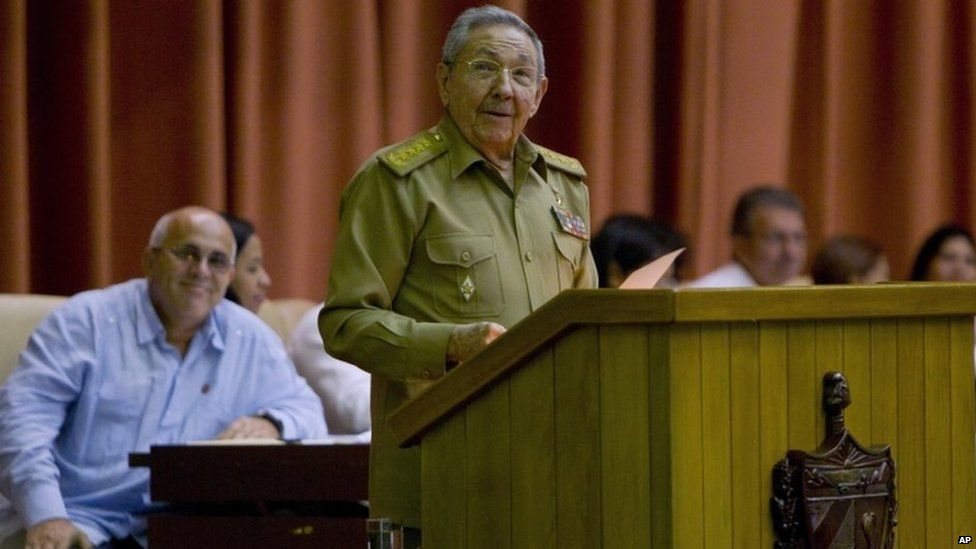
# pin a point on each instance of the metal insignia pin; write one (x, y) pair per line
(467, 288)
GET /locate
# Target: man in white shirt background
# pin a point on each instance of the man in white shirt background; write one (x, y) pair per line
(769, 241)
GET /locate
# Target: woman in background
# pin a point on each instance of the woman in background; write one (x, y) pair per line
(251, 282)
(848, 259)
(627, 242)
(947, 255)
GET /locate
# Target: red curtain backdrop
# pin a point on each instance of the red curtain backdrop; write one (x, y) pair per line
(113, 112)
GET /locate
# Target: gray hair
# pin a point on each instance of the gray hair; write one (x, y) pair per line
(473, 18)
(763, 196)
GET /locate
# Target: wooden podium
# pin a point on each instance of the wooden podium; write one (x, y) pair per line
(652, 418)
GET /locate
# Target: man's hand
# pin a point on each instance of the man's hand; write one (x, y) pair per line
(56, 534)
(468, 339)
(250, 427)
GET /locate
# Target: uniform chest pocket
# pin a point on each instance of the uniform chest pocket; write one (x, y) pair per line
(569, 253)
(466, 275)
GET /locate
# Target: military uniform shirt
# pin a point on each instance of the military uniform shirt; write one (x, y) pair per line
(430, 237)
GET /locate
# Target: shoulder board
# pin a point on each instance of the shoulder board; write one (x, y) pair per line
(409, 155)
(562, 162)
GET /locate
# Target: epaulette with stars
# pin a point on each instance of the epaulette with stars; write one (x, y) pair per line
(416, 151)
(562, 162)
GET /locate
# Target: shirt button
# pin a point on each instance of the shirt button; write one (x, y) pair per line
(529, 257)
(465, 256)
(425, 374)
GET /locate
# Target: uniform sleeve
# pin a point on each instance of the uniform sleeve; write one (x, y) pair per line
(33, 405)
(379, 220)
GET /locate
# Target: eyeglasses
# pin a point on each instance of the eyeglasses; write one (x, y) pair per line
(488, 70)
(781, 238)
(217, 262)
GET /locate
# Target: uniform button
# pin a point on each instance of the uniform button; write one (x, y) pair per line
(529, 257)
(425, 374)
(465, 256)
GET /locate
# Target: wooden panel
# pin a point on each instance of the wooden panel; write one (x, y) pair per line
(773, 418)
(625, 433)
(442, 477)
(533, 454)
(659, 356)
(857, 369)
(805, 387)
(548, 324)
(911, 434)
(598, 307)
(488, 470)
(716, 435)
(750, 509)
(963, 411)
(686, 436)
(884, 386)
(827, 302)
(938, 426)
(830, 347)
(577, 400)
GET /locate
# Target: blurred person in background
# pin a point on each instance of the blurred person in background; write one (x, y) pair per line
(947, 255)
(769, 241)
(848, 259)
(249, 288)
(627, 242)
(342, 387)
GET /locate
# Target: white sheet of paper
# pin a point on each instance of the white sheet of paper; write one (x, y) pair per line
(648, 276)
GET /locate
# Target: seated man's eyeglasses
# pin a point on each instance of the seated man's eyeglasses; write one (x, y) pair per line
(486, 69)
(217, 262)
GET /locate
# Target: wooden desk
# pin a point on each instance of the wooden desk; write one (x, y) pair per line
(258, 496)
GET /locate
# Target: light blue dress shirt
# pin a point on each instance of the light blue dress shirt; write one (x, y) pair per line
(98, 380)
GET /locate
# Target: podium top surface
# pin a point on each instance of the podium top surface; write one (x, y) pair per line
(605, 306)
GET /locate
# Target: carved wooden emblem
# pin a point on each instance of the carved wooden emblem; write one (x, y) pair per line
(840, 496)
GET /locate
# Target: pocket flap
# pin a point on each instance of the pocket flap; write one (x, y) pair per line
(569, 247)
(461, 250)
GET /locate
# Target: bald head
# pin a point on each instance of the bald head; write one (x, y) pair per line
(184, 215)
(189, 263)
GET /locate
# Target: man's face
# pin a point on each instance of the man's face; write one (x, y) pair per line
(189, 273)
(491, 107)
(776, 249)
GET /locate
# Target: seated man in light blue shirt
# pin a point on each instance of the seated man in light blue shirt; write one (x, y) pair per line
(160, 360)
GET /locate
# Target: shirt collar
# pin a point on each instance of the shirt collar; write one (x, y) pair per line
(149, 326)
(462, 154)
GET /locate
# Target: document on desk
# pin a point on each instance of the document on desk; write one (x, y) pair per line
(237, 442)
(358, 438)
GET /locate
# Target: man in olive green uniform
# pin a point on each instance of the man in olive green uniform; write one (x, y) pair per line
(452, 236)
